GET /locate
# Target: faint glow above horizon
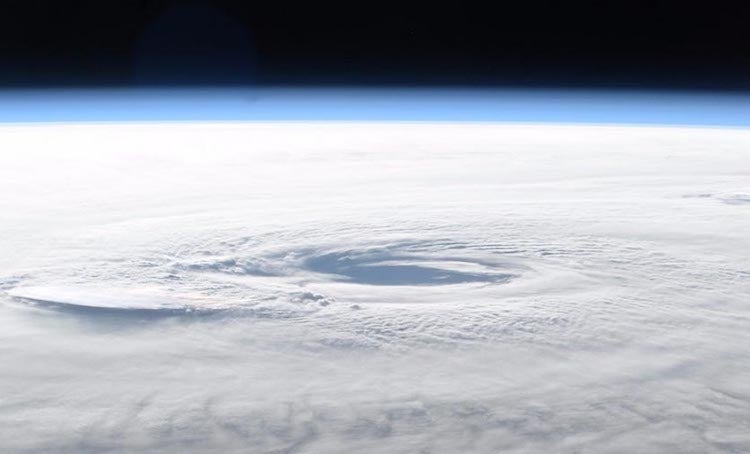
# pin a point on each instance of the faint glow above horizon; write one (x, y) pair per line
(286, 104)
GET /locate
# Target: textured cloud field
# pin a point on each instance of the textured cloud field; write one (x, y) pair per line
(340, 287)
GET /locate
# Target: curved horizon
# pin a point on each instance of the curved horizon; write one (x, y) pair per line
(384, 104)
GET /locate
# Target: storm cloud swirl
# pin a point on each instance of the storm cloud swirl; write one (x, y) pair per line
(374, 287)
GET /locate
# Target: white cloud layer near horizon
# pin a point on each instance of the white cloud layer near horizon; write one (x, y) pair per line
(374, 287)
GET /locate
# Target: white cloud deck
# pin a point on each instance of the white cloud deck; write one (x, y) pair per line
(377, 287)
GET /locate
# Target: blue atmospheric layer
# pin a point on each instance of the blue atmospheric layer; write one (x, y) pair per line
(285, 104)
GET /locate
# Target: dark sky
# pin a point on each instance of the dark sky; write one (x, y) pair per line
(634, 44)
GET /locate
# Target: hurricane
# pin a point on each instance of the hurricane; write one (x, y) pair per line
(384, 287)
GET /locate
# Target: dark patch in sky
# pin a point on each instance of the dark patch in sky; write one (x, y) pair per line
(636, 44)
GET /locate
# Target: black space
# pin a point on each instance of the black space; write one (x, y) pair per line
(634, 44)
